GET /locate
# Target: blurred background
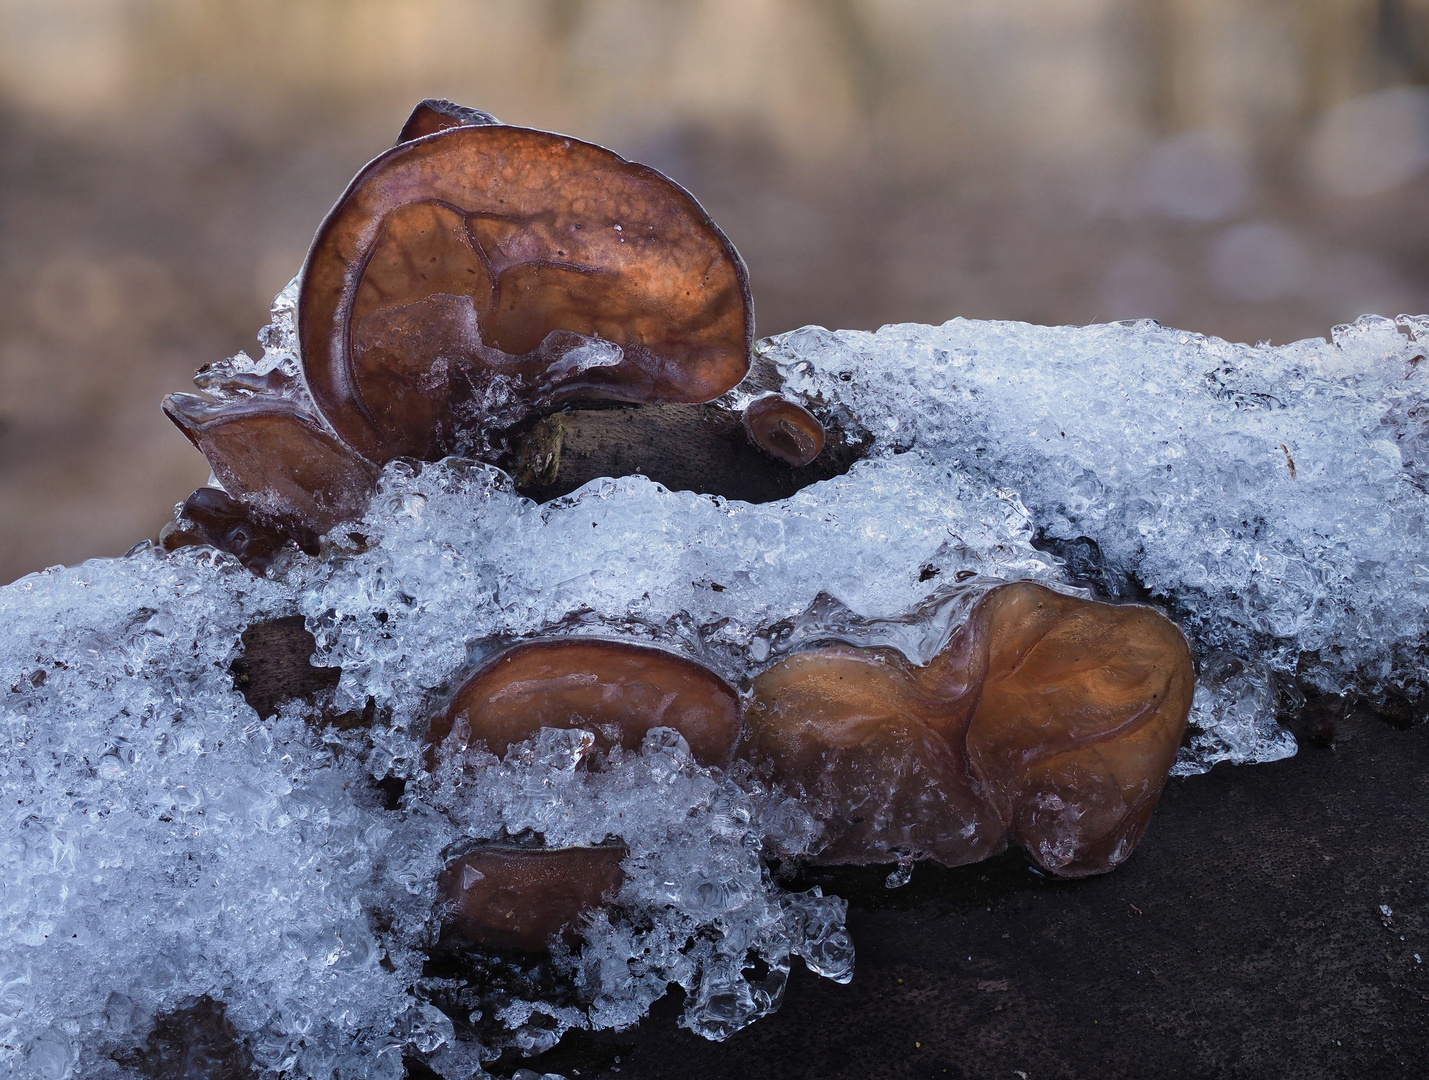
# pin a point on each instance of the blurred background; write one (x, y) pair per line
(1253, 169)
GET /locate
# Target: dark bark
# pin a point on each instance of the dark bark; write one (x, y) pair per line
(276, 665)
(685, 447)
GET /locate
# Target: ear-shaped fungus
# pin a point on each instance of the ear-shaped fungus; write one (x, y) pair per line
(616, 690)
(276, 460)
(476, 275)
(784, 429)
(1049, 720)
(1082, 711)
(511, 897)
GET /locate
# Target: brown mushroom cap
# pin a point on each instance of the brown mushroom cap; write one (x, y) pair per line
(617, 690)
(784, 429)
(475, 275)
(1048, 720)
(275, 459)
(510, 897)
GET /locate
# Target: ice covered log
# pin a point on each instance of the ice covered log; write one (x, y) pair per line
(261, 866)
(1047, 720)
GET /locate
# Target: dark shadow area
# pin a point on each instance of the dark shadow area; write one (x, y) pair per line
(276, 665)
(196, 1042)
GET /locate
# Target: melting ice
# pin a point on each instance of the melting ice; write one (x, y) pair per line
(163, 842)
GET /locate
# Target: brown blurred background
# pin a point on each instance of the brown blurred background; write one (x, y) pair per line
(1255, 169)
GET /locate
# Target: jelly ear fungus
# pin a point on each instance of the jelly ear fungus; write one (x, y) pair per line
(519, 896)
(472, 278)
(480, 274)
(438, 114)
(277, 460)
(1048, 720)
(784, 429)
(615, 689)
(509, 896)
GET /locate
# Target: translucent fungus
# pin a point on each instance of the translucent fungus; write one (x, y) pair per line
(1047, 720)
(471, 277)
(784, 429)
(617, 690)
(481, 273)
(513, 897)
(212, 517)
(276, 460)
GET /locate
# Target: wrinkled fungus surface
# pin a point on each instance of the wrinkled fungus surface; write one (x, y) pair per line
(1048, 720)
(471, 277)
(480, 273)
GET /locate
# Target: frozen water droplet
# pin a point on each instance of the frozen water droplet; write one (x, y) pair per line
(900, 875)
(428, 1028)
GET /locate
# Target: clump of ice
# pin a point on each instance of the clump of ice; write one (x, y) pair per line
(1277, 498)
(1233, 717)
(280, 355)
(163, 842)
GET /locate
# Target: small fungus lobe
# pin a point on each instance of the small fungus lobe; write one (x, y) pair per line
(617, 690)
(276, 459)
(438, 114)
(512, 897)
(213, 518)
(784, 429)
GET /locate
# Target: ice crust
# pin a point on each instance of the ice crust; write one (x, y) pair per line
(163, 842)
(1276, 497)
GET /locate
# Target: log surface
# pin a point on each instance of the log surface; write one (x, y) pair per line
(685, 447)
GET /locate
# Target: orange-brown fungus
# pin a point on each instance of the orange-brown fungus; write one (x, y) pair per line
(276, 460)
(784, 429)
(481, 273)
(616, 690)
(438, 114)
(1047, 720)
(510, 897)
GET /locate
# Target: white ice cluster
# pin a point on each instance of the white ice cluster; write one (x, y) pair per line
(1277, 498)
(164, 842)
